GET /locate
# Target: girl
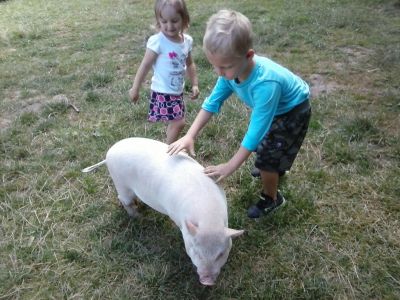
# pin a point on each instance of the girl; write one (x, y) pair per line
(169, 54)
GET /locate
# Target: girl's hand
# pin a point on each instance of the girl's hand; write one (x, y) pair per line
(195, 92)
(184, 143)
(219, 172)
(133, 95)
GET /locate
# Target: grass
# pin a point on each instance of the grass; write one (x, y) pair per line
(62, 233)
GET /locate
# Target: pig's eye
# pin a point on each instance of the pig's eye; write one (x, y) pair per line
(220, 255)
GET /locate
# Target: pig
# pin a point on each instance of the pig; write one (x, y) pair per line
(175, 186)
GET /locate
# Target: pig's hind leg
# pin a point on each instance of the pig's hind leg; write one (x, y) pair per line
(128, 200)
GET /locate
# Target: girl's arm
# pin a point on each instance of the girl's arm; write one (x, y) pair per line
(187, 141)
(144, 68)
(192, 74)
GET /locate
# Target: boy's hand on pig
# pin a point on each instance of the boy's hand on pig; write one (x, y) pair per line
(184, 143)
(219, 172)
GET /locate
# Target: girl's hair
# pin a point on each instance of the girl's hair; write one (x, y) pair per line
(180, 7)
(228, 33)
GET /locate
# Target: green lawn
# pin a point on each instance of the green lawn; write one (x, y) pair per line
(63, 234)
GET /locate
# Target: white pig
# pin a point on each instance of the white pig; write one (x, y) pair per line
(175, 186)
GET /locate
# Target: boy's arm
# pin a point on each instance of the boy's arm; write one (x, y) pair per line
(144, 68)
(187, 141)
(224, 170)
(192, 74)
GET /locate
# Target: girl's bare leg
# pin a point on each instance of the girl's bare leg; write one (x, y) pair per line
(174, 128)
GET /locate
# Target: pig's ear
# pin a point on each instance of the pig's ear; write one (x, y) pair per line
(191, 227)
(233, 232)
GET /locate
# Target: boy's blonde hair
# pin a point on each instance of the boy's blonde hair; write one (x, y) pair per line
(180, 7)
(228, 33)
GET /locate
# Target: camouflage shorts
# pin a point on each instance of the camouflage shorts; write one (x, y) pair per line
(278, 149)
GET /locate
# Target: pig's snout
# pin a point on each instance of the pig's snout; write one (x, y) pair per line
(208, 279)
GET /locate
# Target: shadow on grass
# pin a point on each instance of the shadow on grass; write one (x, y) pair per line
(149, 248)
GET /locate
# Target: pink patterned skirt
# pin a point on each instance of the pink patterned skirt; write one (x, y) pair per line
(165, 107)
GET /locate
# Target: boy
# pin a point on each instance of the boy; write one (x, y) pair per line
(277, 97)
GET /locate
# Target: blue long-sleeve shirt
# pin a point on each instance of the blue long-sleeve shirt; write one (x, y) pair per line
(270, 90)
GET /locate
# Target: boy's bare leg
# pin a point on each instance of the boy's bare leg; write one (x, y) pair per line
(270, 181)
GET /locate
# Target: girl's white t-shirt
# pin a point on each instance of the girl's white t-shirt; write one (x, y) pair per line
(170, 66)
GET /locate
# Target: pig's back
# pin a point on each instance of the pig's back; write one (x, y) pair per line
(167, 183)
(149, 156)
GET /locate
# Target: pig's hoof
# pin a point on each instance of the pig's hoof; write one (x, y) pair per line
(132, 212)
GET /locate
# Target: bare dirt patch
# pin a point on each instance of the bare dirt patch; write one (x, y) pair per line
(356, 55)
(32, 105)
(321, 86)
(356, 71)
